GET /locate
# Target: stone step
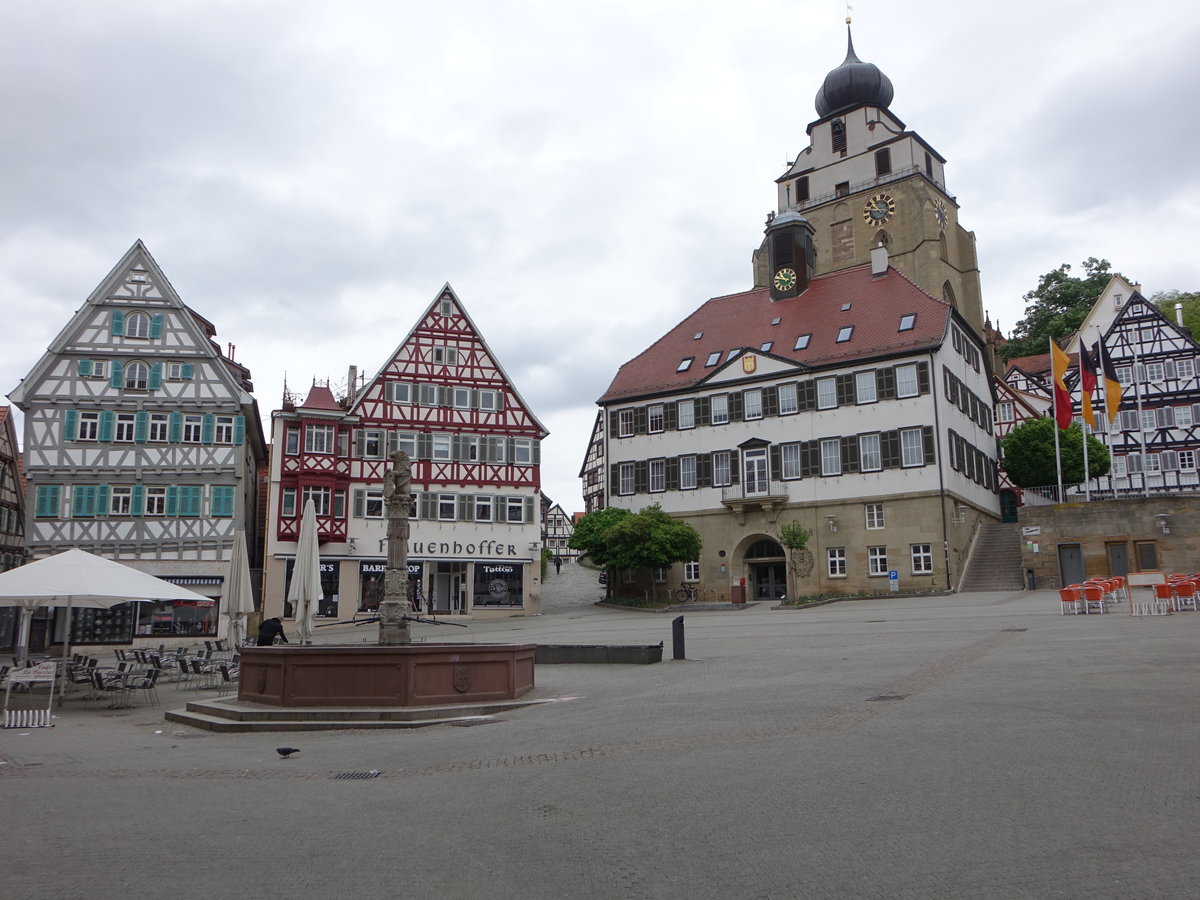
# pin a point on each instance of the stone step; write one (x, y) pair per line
(231, 726)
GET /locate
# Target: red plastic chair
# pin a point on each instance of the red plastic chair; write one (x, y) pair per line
(1093, 598)
(1185, 596)
(1165, 593)
(1070, 597)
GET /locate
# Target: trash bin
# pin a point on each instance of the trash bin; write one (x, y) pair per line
(737, 593)
(1030, 580)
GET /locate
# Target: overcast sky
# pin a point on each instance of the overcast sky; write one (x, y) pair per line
(309, 174)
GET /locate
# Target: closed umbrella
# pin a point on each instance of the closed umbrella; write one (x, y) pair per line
(239, 592)
(305, 589)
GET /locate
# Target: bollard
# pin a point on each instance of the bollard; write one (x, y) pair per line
(677, 638)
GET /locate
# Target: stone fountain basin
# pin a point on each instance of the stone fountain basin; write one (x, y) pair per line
(423, 674)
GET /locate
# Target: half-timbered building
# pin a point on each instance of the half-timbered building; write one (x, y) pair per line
(475, 533)
(141, 443)
(12, 515)
(557, 529)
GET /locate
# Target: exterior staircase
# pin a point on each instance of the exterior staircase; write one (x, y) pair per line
(995, 562)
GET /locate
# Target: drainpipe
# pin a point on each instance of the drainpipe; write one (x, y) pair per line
(937, 443)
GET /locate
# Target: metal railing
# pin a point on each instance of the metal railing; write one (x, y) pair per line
(764, 489)
(1111, 487)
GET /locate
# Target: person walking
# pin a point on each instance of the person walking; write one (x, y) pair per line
(558, 565)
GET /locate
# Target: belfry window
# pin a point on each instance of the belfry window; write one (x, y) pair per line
(837, 129)
(883, 162)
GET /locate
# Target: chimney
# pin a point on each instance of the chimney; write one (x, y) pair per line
(1179, 314)
(879, 261)
(352, 381)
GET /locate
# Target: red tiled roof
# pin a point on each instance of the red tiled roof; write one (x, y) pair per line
(744, 320)
(320, 397)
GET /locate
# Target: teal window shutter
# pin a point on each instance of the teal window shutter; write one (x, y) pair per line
(189, 500)
(239, 429)
(141, 426)
(187, 371)
(175, 428)
(208, 428)
(49, 501)
(117, 324)
(83, 500)
(173, 500)
(85, 367)
(102, 500)
(222, 501)
(70, 424)
(117, 378)
(108, 420)
(137, 500)
(155, 382)
(156, 322)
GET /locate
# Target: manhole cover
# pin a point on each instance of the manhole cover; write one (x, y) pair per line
(374, 773)
(887, 697)
(1014, 629)
(467, 723)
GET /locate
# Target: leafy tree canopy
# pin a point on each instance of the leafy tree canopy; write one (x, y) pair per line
(1057, 307)
(617, 538)
(1029, 454)
(1166, 300)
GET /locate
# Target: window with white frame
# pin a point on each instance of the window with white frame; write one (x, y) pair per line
(472, 447)
(870, 458)
(124, 427)
(1004, 411)
(137, 376)
(158, 427)
(89, 426)
(317, 438)
(625, 471)
(836, 561)
(1149, 420)
(789, 460)
(406, 441)
(907, 384)
(193, 429)
(877, 563)
(1187, 459)
(441, 446)
(137, 325)
(1125, 374)
(1155, 371)
(658, 475)
(787, 399)
(627, 576)
(373, 504)
(912, 447)
(625, 423)
(922, 559)
(489, 401)
(874, 516)
(720, 409)
(291, 441)
(686, 413)
(523, 451)
(445, 356)
(120, 500)
(831, 456)
(99, 368)
(864, 387)
(400, 392)
(720, 468)
(687, 472)
(1185, 368)
(752, 404)
(1153, 461)
(516, 509)
(660, 575)
(654, 418)
(156, 501)
(223, 430)
(1183, 416)
(446, 506)
(371, 443)
(1119, 466)
(483, 508)
(321, 498)
(461, 398)
(691, 570)
(826, 393)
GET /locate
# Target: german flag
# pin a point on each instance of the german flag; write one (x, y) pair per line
(1059, 363)
(1087, 384)
(1112, 386)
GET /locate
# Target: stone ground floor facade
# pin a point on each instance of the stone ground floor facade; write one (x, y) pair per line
(853, 547)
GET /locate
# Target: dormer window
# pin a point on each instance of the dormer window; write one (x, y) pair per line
(844, 333)
(907, 322)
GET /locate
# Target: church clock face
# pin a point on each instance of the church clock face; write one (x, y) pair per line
(785, 279)
(879, 210)
(939, 212)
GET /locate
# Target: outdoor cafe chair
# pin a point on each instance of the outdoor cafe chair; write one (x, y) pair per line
(148, 685)
(1093, 598)
(1185, 596)
(114, 685)
(1070, 598)
(229, 678)
(1164, 595)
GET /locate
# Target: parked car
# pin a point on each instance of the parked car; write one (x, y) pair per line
(603, 578)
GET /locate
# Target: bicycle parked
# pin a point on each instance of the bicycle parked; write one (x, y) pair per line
(687, 593)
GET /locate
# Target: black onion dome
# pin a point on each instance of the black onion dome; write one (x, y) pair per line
(854, 83)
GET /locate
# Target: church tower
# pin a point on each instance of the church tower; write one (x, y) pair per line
(865, 180)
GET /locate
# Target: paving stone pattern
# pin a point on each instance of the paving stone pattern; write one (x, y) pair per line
(907, 747)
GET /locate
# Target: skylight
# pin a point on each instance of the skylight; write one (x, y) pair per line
(684, 364)
(844, 333)
(697, 335)
(802, 342)
(713, 358)
(766, 348)
(732, 354)
(777, 320)
(846, 307)
(907, 322)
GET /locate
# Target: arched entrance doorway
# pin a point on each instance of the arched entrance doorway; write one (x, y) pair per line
(767, 564)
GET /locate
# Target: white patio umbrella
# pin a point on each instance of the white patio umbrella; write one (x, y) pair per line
(305, 589)
(78, 578)
(238, 600)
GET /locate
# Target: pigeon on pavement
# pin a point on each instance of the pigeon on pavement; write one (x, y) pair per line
(286, 752)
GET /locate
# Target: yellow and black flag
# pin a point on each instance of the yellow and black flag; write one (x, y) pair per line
(1087, 384)
(1112, 386)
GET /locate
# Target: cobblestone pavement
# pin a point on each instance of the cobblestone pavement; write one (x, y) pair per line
(979, 745)
(575, 585)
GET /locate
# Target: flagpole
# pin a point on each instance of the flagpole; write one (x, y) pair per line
(1137, 392)
(1054, 411)
(1087, 472)
(1058, 464)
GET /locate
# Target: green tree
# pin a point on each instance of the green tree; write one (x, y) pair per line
(1029, 454)
(591, 534)
(1056, 307)
(1166, 300)
(615, 538)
